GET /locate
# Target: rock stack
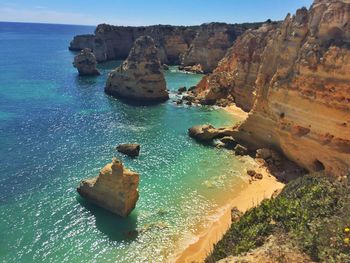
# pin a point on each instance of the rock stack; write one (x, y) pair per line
(86, 63)
(140, 77)
(114, 189)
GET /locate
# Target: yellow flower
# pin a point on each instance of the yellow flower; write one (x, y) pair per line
(346, 230)
(346, 240)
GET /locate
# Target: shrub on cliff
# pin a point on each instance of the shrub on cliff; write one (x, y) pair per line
(313, 211)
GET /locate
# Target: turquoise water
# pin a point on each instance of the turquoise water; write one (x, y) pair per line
(57, 128)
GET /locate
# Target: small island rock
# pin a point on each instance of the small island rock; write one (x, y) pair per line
(204, 133)
(130, 149)
(86, 63)
(114, 189)
(140, 77)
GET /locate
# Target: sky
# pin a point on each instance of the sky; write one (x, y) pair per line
(146, 12)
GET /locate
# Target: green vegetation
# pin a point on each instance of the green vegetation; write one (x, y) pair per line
(313, 211)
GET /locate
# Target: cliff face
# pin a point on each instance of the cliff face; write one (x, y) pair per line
(204, 45)
(140, 77)
(234, 78)
(210, 45)
(303, 89)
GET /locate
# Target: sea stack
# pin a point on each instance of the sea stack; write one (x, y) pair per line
(114, 189)
(140, 77)
(86, 63)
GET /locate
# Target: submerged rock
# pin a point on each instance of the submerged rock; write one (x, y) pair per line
(114, 189)
(140, 77)
(130, 149)
(86, 63)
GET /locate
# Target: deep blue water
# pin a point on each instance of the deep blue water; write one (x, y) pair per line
(57, 128)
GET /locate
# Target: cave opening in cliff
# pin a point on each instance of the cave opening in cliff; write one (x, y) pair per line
(319, 166)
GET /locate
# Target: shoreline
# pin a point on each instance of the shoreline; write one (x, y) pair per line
(250, 194)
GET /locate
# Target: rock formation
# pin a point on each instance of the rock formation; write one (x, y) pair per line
(86, 63)
(234, 78)
(130, 149)
(206, 133)
(115, 189)
(140, 77)
(173, 42)
(209, 46)
(303, 90)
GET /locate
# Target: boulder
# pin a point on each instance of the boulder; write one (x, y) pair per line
(258, 176)
(85, 62)
(114, 189)
(165, 67)
(140, 77)
(251, 173)
(130, 149)
(204, 133)
(241, 150)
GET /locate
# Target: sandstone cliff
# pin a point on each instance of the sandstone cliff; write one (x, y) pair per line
(234, 78)
(85, 62)
(140, 77)
(303, 89)
(210, 45)
(204, 45)
(115, 189)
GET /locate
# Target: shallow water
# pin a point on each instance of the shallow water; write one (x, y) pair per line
(57, 128)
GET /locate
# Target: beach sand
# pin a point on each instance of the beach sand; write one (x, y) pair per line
(251, 193)
(250, 196)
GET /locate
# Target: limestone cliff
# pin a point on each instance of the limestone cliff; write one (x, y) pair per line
(204, 45)
(115, 189)
(210, 45)
(140, 77)
(303, 89)
(234, 78)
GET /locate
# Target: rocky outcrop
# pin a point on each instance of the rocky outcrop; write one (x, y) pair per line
(303, 90)
(206, 133)
(210, 45)
(175, 44)
(82, 41)
(115, 189)
(234, 78)
(140, 77)
(130, 149)
(85, 62)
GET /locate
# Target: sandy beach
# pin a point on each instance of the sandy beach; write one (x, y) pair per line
(251, 193)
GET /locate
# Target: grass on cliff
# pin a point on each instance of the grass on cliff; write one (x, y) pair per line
(314, 211)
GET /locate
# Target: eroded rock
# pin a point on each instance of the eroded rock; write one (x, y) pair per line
(140, 77)
(85, 62)
(114, 189)
(130, 149)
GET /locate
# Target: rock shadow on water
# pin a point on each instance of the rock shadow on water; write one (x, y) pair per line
(116, 228)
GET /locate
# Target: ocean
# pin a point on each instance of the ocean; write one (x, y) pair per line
(57, 128)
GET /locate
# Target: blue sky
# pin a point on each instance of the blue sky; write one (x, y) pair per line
(146, 12)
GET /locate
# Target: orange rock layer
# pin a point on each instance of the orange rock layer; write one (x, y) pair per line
(297, 76)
